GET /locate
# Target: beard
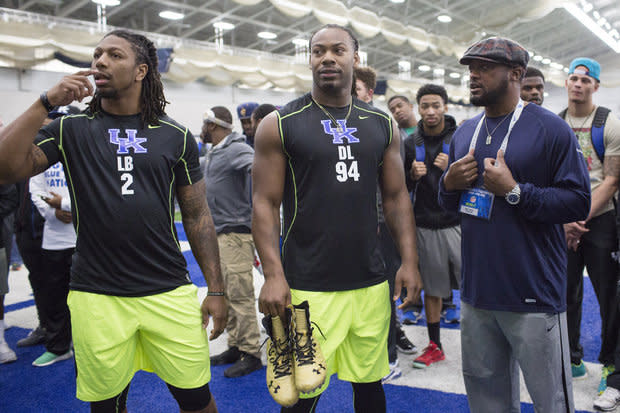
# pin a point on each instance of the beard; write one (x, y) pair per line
(490, 97)
(107, 94)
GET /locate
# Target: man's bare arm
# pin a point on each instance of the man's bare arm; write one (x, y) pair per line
(396, 202)
(268, 173)
(19, 158)
(606, 190)
(399, 217)
(200, 232)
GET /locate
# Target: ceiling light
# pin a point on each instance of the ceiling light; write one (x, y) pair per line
(545, 61)
(586, 20)
(556, 66)
(404, 65)
(565, 70)
(439, 72)
(267, 35)
(546, 94)
(171, 15)
(397, 1)
(300, 42)
(455, 75)
(107, 2)
(424, 68)
(444, 18)
(538, 58)
(223, 25)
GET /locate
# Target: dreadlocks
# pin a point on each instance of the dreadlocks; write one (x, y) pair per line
(152, 97)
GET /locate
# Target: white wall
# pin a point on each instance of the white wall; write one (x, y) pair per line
(608, 97)
(188, 101)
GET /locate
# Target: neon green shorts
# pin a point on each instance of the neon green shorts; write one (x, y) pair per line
(116, 336)
(355, 324)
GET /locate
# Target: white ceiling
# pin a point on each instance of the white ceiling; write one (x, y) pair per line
(542, 26)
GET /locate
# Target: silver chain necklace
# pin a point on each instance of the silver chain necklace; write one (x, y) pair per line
(489, 134)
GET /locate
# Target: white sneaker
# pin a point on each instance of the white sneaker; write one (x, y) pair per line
(608, 401)
(6, 354)
(394, 373)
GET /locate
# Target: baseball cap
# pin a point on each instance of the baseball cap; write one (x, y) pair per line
(594, 68)
(497, 50)
(244, 110)
(59, 111)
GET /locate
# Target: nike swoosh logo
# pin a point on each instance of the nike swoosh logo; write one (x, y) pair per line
(363, 117)
(154, 126)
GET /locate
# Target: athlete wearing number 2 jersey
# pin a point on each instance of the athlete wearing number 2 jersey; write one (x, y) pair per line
(133, 306)
(121, 177)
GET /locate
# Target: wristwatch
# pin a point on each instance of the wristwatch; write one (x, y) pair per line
(514, 196)
(45, 102)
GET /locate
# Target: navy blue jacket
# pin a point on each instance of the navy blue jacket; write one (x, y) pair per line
(516, 261)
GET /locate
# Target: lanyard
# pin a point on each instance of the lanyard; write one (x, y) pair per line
(515, 117)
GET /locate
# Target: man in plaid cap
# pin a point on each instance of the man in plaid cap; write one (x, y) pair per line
(516, 175)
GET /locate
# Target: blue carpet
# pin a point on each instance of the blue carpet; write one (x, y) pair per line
(27, 389)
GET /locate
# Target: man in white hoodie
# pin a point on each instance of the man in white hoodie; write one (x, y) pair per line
(50, 195)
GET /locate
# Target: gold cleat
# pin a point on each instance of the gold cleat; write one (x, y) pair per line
(309, 364)
(280, 373)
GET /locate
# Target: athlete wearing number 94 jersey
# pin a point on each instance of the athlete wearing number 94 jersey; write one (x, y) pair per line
(321, 156)
(132, 303)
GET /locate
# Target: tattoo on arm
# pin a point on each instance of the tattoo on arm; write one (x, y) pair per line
(611, 166)
(200, 231)
(39, 160)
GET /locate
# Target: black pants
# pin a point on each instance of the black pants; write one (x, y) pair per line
(594, 253)
(54, 299)
(613, 380)
(32, 255)
(390, 254)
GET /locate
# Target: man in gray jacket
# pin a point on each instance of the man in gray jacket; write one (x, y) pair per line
(227, 173)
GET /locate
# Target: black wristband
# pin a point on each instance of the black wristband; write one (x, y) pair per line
(215, 293)
(46, 103)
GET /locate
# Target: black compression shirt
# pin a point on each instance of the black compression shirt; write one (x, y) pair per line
(122, 179)
(330, 205)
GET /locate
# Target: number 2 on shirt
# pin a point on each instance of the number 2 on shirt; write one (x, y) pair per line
(125, 165)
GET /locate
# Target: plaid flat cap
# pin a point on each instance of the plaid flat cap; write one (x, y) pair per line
(497, 50)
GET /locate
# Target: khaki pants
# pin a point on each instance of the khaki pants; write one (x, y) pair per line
(237, 258)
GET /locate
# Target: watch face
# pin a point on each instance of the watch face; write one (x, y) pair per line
(512, 198)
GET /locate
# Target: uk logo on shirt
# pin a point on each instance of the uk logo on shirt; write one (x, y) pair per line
(131, 141)
(339, 132)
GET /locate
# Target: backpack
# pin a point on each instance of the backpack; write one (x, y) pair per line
(598, 128)
(420, 151)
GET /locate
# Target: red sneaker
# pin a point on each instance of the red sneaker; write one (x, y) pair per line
(431, 354)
